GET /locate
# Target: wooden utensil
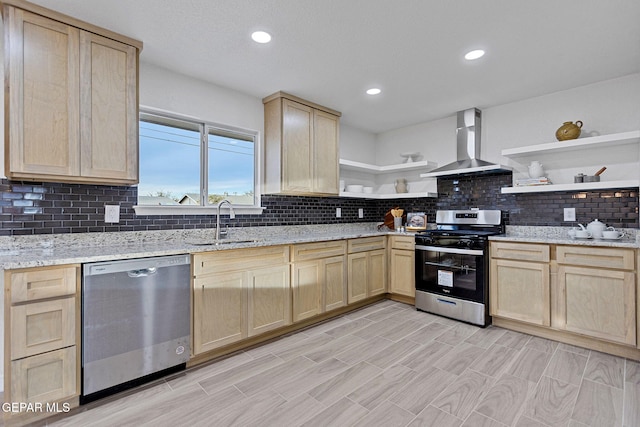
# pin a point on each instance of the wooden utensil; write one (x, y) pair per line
(604, 168)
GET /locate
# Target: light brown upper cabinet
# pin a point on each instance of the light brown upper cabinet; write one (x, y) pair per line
(72, 105)
(301, 146)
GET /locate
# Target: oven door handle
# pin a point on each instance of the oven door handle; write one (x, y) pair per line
(450, 250)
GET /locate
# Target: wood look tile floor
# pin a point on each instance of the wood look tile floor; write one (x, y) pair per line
(389, 365)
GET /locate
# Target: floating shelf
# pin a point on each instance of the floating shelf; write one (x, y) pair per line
(387, 195)
(581, 186)
(611, 140)
(374, 169)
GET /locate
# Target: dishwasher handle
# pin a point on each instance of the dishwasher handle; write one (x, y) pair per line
(143, 272)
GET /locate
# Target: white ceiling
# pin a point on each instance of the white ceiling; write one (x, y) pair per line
(331, 51)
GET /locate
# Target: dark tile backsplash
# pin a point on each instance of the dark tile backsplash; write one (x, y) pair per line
(49, 208)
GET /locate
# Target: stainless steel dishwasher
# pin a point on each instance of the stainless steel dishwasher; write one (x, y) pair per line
(135, 322)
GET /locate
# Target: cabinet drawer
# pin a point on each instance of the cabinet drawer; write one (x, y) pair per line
(403, 242)
(589, 256)
(41, 283)
(42, 326)
(366, 244)
(520, 251)
(310, 251)
(44, 378)
(239, 259)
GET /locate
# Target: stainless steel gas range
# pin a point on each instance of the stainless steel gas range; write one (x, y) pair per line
(452, 265)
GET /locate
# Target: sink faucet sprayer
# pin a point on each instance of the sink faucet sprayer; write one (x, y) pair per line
(232, 215)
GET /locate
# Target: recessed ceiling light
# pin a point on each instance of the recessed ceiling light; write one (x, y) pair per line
(261, 37)
(373, 91)
(474, 54)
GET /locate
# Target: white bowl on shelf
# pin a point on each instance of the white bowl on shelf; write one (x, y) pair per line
(410, 157)
(355, 188)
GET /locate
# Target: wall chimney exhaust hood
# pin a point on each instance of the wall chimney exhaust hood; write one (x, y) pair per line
(468, 148)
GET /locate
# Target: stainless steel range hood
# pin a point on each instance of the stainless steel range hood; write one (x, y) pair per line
(468, 133)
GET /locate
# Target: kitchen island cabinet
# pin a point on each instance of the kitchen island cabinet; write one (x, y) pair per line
(239, 294)
(42, 336)
(301, 146)
(72, 99)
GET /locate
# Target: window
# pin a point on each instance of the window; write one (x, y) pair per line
(188, 163)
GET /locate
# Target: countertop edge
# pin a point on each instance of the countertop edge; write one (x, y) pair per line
(623, 243)
(42, 257)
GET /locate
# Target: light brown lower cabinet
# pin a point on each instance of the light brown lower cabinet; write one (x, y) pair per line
(589, 291)
(219, 310)
(367, 271)
(238, 294)
(42, 335)
(42, 326)
(597, 302)
(268, 299)
(318, 278)
(402, 276)
(46, 377)
(520, 290)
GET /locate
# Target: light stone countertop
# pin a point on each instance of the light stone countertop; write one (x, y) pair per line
(560, 236)
(58, 249)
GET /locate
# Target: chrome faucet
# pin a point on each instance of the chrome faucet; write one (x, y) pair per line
(232, 215)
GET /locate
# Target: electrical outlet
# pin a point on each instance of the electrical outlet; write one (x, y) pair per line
(338, 212)
(112, 213)
(569, 214)
(360, 213)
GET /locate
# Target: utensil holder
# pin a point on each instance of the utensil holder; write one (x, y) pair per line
(397, 222)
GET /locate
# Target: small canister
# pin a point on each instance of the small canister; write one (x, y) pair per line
(579, 178)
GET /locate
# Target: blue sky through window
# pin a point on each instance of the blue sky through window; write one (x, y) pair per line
(170, 164)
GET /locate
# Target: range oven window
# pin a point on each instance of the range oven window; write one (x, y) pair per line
(454, 274)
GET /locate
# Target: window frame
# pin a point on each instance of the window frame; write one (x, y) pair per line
(204, 127)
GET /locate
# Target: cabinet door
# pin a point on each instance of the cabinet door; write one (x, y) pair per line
(520, 290)
(325, 152)
(43, 102)
(297, 134)
(109, 109)
(307, 289)
(357, 276)
(269, 299)
(44, 378)
(377, 272)
(219, 311)
(335, 282)
(42, 326)
(403, 277)
(598, 303)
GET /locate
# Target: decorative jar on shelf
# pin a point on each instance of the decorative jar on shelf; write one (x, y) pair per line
(401, 185)
(569, 130)
(536, 170)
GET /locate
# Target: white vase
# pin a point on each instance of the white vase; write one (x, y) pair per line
(536, 170)
(401, 185)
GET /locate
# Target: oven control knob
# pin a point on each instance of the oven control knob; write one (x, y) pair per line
(428, 240)
(464, 243)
